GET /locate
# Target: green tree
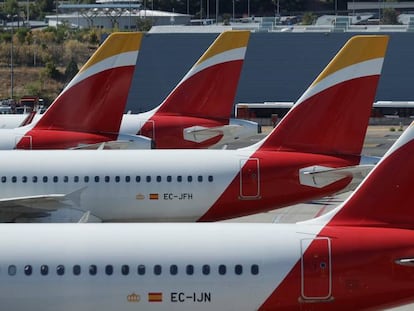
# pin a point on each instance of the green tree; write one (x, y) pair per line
(308, 18)
(11, 7)
(71, 70)
(389, 17)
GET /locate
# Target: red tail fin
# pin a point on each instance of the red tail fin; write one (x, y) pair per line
(95, 99)
(384, 197)
(209, 88)
(332, 115)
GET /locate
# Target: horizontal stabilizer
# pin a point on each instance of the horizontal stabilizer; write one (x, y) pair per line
(321, 176)
(199, 134)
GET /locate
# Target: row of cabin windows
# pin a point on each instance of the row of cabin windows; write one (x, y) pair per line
(107, 179)
(140, 270)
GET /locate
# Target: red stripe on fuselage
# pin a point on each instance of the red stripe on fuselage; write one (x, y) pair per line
(55, 139)
(168, 131)
(279, 184)
(364, 272)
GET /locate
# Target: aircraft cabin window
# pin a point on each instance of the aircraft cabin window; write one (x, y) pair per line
(141, 269)
(222, 269)
(93, 269)
(157, 269)
(24, 179)
(206, 269)
(107, 179)
(76, 270)
(60, 270)
(210, 178)
(127, 178)
(86, 179)
(148, 178)
(138, 178)
(189, 178)
(44, 179)
(238, 269)
(179, 178)
(109, 269)
(65, 179)
(14, 179)
(3, 179)
(125, 269)
(12, 270)
(169, 178)
(96, 178)
(76, 179)
(189, 269)
(254, 269)
(55, 179)
(200, 178)
(173, 269)
(117, 179)
(28, 270)
(34, 179)
(158, 178)
(44, 270)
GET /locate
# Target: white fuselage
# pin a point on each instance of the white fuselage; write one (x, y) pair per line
(219, 266)
(124, 184)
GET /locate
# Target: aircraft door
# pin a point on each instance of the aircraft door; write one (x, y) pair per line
(147, 129)
(249, 179)
(316, 272)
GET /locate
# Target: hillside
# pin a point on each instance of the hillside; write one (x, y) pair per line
(28, 81)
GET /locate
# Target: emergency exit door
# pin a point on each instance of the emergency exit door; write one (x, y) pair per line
(316, 274)
(249, 179)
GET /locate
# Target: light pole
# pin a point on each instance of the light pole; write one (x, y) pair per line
(11, 59)
(217, 11)
(233, 10)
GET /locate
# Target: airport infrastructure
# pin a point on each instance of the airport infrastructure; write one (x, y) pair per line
(278, 66)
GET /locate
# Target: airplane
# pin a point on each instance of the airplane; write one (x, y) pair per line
(90, 108)
(196, 114)
(313, 152)
(360, 256)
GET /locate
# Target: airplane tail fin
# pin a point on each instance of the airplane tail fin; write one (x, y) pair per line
(332, 116)
(209, 88)
(383, 199)
(95, 99)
